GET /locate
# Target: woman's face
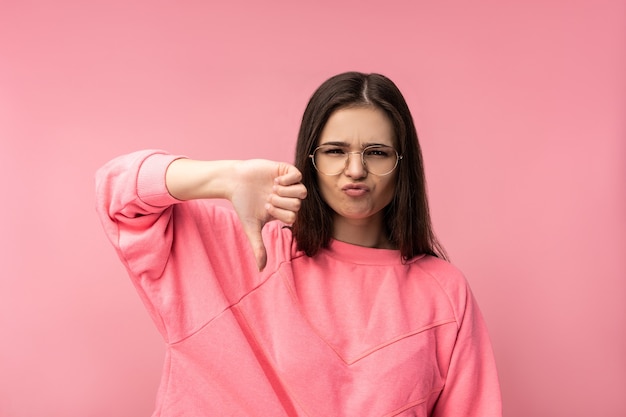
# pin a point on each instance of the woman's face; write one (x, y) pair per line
(356, 195)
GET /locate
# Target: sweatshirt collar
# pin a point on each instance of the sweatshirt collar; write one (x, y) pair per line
(363, 255)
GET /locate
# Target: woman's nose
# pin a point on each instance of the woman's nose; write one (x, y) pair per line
(354, 165)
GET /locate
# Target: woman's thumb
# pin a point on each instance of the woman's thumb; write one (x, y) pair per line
(253, 232)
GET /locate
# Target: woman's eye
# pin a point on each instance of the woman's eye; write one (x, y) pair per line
(334, 151)
(377, 152)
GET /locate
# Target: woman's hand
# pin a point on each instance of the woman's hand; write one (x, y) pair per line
(259, 190)
(262, 191)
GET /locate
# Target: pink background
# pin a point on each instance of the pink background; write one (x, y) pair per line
(521, 112)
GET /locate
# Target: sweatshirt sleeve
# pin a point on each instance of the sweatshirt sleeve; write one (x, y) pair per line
(135, 209)
(471, 385)
(189, 260)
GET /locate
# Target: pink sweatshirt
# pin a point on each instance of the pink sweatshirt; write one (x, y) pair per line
(352, 331)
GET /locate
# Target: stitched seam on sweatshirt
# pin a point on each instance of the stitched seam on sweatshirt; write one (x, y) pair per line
(230, 306)
(352, 360)
(454, 312)
(396, 339)
(271, 373)
(413, 403)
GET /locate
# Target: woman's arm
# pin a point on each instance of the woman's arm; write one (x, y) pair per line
(259, 190)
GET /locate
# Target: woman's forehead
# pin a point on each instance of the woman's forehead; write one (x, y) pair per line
(358, 126)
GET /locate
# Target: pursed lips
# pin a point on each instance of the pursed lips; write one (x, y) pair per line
(355, 190)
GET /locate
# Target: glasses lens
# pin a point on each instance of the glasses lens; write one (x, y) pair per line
(380, 160)
(377, 159)
(330, 160)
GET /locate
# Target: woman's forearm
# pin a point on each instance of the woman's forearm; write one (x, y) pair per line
(188, 179)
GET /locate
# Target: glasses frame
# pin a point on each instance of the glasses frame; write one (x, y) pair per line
(362, 153)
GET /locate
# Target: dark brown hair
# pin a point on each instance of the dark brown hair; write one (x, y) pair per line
(407, 218)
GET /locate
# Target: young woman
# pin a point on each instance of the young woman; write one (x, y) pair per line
(323, 293)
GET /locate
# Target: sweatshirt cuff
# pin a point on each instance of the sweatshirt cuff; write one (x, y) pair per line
(151, 188)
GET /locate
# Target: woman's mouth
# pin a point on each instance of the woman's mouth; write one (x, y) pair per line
(355, 190)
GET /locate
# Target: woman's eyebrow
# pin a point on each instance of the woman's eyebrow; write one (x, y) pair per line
(365, 145)
(336, 143)
(347, 145)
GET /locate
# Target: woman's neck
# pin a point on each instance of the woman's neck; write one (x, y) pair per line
(369, 232)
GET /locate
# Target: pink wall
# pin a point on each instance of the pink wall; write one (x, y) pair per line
(520, 109)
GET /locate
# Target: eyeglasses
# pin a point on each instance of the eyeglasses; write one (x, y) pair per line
(376, 159)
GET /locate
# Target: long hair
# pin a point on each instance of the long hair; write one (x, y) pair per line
(407, 217)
